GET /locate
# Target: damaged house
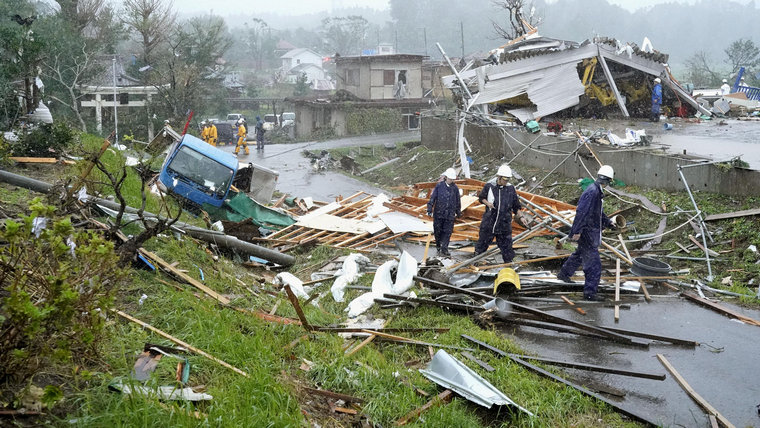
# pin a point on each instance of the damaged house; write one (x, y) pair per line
(541, 76)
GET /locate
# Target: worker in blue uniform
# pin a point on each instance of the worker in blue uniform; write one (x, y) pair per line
(656, 100)
(587, 231)
(501, 203)
(444, 206)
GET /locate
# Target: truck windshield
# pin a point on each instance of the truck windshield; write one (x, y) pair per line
(201, 170)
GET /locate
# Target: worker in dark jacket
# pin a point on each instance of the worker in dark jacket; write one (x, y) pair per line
(587, 231)
(444, 206)
(501, 203)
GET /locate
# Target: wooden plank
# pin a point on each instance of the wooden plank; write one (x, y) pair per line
(335, 395)
(179, 342)
(25, 159)
(706, 251)
(693, 394)
(622, 243)
(161, 262)
(439, 399)
(720, 308)
(735, 214)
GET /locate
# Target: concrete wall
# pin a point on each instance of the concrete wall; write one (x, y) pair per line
(632, 166)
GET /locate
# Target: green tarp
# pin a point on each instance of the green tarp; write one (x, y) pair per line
(241, 207)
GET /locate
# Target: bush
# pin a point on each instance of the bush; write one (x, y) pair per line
(45, 141)
(55, 287)
(362, 121)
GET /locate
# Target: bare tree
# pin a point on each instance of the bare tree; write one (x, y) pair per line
(152, 20)
(700, 71)
(69, 72)
(518, 23)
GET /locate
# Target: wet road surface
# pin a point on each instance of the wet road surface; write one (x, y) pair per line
(298, 178)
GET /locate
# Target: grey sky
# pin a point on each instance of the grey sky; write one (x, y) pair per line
(300, 7)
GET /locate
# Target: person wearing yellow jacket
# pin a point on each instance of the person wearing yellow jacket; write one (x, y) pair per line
(204, 131)
(211, 134)
(241, 137)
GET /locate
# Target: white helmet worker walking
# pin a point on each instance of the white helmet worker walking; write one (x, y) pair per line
(450, 173)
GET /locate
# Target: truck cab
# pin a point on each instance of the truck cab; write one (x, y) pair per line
(198, 172)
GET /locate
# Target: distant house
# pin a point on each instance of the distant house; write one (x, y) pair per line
(313, 73)
(296, 57)
(381, 77)
(282, 47)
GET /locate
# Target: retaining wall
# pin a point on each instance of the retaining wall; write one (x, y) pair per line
(636, 166)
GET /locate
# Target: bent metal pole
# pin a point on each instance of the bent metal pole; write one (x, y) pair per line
(196, 232)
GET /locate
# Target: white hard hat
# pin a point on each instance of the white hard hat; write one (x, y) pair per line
(450, 173)
(166, 121)
(203, 122)
(657, 80)
(240, 120)
(504, 171)
(725, 81)
(606, 171)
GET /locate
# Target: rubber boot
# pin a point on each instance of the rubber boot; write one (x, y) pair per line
(247, 152)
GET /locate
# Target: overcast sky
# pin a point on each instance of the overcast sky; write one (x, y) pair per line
(299, 7)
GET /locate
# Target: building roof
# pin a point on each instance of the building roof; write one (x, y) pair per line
(105, 76)
(385, 58)
(296, 52)
(302, 67)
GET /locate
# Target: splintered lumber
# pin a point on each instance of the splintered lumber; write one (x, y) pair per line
(590, 367)
(693, 394)
(566, 300)
(179, 342)
(414, 414)
(545, 373)
(401, 339)
(719, 308)
(707, 251)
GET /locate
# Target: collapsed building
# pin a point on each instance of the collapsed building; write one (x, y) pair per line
(541, 76)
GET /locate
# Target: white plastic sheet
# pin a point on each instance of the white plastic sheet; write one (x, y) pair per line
(383, 283)
(296, 285)
(348, 274)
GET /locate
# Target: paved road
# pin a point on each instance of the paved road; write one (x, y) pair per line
(297, 176)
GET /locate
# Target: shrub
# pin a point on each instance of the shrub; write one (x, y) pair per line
(55, 286)
(48, 140)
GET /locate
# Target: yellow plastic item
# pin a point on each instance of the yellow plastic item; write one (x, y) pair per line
(506, 275)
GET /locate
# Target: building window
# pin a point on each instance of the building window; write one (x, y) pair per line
(389, 77)
(352, 77)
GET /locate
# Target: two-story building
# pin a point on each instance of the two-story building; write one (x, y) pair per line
(376, 93)
(300, 61)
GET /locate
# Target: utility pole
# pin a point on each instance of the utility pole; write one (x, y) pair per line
(461, 31)
(424, 35)
(115, 114)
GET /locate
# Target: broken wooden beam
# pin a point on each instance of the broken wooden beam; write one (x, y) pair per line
(719, 308)
(693, 394)
(179, 342)
(437, 400)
